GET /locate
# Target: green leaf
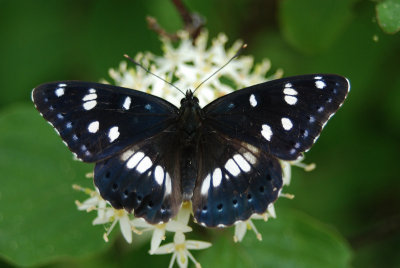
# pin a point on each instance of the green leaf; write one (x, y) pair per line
(39, 221)
(291, 240)
(313, 25)
(388, 14)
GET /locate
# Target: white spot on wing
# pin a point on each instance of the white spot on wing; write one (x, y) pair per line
(92, 90)
(83, 147)
(291, 100)
(62, 85)
(289, 91)
(348, 85)
(132, 162)
(231, 166)
(318, 77)
(89, 105)
(217, 177)
(125, 155)
(242, 163)
(206, 185)
(286, 123)
(320, 84)
(168, 185)
(253, 101)
(144, 165)
(147, 107)
(93, 127)
(127, 103)
(59, 92)
(46, 100)
(76, 157)
(89, 97)
(266, 132)
(288, 85)
(250, 157)
(113, 134)
(159, 175)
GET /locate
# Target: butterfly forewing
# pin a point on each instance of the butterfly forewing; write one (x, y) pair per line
(96, 120)
(282, 117)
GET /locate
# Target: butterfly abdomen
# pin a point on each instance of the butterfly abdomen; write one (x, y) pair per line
(188, 171)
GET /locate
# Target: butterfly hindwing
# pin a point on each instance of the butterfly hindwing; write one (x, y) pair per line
(283, 117)
(98, 120)
(235, 180)
(143, 178)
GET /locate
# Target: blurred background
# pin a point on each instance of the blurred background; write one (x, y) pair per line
(346, 213)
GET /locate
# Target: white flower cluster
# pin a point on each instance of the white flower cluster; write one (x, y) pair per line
(186, 66)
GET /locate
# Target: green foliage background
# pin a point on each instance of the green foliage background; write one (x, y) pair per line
(346, 212)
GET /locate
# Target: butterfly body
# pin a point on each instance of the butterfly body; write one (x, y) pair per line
(151, 156)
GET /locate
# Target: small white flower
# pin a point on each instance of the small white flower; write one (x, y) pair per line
(105, 213)
(121, 216)
(180, 250)
(241, 227)
(159, 230)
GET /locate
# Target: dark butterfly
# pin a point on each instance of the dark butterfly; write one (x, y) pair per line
(151, 156)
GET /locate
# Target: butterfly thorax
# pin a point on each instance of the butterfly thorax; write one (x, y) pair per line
(190, 118)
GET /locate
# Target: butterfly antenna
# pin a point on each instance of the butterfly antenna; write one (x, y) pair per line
(148, 71)
(220, 68)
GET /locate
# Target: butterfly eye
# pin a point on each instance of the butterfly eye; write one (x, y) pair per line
(196, 99)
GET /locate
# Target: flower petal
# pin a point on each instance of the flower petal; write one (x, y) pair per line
(165, 249)
(240, 231)
(182, 259)
(158, 236)
(125, 226)
(141, 223)
(175, 226)
(195, 244)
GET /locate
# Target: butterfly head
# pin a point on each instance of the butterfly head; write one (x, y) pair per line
(189, 100)
(190, 114)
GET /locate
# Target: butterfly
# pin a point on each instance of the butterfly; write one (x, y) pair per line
(150, 156)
